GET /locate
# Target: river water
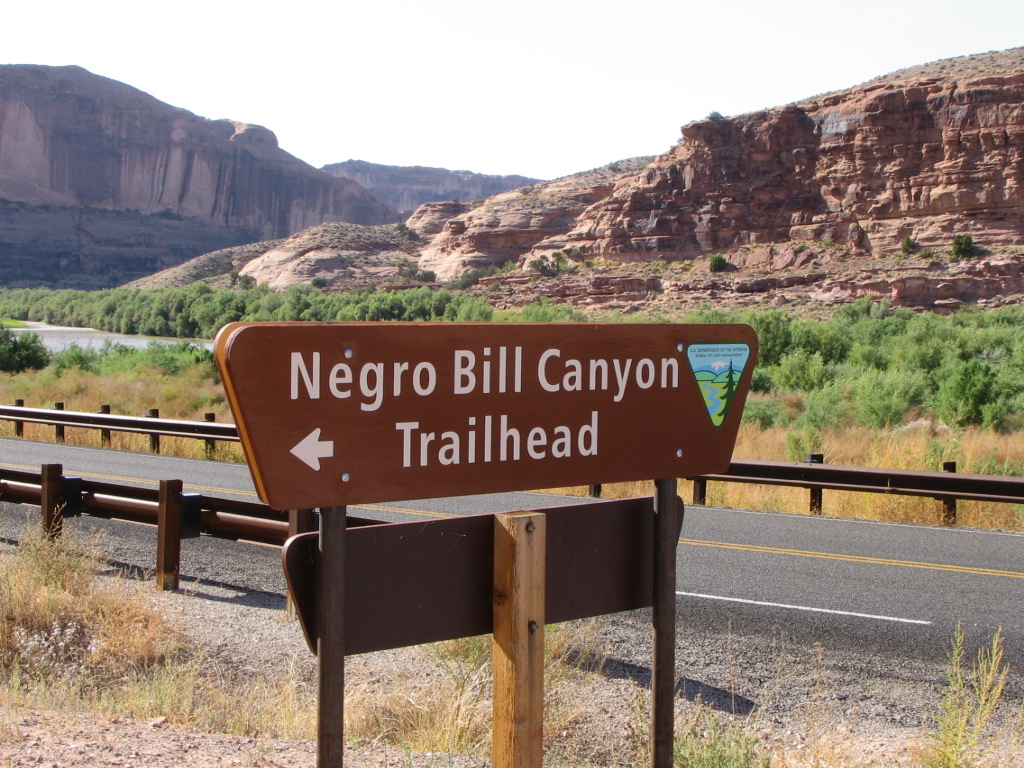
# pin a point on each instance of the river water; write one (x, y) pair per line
(57, 338)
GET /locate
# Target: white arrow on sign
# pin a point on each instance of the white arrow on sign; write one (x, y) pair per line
(312, 449)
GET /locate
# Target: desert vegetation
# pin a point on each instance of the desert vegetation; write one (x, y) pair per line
(870, 386)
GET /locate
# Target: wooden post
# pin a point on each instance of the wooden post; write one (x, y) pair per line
(519, 571)
(668, 519)
(949, 502)
(168, 547)
(815, 504)
(58, 430)
(331, 642)
(594, 491)
(104, 433)
(19, 426)
(51, 499)
(154, 438)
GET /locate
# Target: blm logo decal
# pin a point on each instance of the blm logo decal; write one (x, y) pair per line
(717, 369)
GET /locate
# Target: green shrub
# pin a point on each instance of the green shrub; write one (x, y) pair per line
(825, 408)
(764, 413)
(717, 263)
(20, 352)
(800, 371)
(962, 394)
(963, 246)
(550, 265)
(774, 333)
(883, 398)
(908, 246)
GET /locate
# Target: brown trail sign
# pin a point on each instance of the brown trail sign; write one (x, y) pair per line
(350, 413)
(338, 414)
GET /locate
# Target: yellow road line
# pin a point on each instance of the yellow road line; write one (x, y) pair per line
(854, 558)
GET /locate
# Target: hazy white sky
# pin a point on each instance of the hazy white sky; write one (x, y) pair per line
(536, 88)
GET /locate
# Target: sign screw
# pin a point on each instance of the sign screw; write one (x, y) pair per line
(345, 477)
(530, 527)
(532, 626)
(349, 353)
(680, 347)
(679, 453)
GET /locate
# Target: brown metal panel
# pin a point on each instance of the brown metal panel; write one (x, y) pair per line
(337, 413)
(413, 583)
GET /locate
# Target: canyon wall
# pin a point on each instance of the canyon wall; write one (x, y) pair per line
(72, 142)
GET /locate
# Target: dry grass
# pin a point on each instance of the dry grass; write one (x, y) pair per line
(187, 395)
(453, 713)
(68, 635)
(919, 447)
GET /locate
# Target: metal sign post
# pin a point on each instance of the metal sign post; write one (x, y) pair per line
(330, 599)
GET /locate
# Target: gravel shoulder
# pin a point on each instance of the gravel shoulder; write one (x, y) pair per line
(813, 704)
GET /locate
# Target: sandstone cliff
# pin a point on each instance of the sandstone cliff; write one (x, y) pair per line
(925, 153)
(405, 188)
(71, 141)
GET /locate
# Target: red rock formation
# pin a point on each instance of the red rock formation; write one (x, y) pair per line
(863, 168)
(924, 153)
(532, 219)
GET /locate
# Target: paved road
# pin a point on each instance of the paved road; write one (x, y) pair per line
(894, 590)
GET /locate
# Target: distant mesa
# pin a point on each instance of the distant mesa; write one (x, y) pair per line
(406, 188)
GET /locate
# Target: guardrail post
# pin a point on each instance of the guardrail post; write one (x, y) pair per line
(19, 426)
(211, 445)
(700, 491)
(948, 502)
(519, 545)
(51, 499)
(104, 433)
(58, 431)
(815, 493)
(168, 547)
(154, 438)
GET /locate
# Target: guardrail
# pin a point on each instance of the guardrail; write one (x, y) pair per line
(177, 515)
(946, 486)
(151, 424)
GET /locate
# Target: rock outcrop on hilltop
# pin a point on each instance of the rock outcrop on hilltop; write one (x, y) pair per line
(101, 182)
(406, 188)
(508, 225)
(926, 153)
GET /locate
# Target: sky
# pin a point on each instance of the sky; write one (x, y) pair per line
(540, 89)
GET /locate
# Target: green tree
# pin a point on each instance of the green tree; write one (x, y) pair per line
(963, 394)
(20, 352)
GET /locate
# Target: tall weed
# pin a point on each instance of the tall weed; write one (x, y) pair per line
(963, 737)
